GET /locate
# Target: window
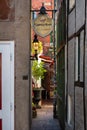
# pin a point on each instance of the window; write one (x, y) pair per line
(69, 109)
(71, 4)
(34, 15)
(79, 57)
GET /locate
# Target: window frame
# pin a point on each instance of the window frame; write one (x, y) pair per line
(70, 9)
(77, 59)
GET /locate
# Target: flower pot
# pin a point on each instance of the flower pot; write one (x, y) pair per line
(37, 97)
(34, 113)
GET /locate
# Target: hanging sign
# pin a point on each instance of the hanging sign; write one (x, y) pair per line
(43, 25)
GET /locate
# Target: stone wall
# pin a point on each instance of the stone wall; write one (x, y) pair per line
(18, 30)
(86, 68)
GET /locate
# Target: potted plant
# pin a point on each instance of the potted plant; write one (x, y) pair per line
(34, 112)
(38, 71)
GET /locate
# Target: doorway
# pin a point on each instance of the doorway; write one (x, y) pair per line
(6, 85)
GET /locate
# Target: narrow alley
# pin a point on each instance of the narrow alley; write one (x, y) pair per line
(44, 119)
(43, 55)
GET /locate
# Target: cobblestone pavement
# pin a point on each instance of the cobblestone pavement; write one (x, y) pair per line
(44, 119)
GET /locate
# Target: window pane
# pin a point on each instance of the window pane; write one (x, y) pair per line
(79, 58)
(76, 61)
(71, 3)
(81, 55)
(69, 109)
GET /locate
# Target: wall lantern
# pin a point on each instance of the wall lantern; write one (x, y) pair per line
(36, 48)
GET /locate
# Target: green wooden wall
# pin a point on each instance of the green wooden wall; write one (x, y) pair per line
(61, 38)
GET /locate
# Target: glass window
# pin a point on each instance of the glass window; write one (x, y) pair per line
(34, 15)
(71, 4)
(76, 61)
(69, 109)
(77, 58)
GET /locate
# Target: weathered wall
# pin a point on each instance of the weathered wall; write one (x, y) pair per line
(22, 64)
(61, 39)
(18, 29)
(86, 68)
(79, 109)
(77, 87)
(71, 72)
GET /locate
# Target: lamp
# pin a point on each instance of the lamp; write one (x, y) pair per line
(42, 9)
(35, 46)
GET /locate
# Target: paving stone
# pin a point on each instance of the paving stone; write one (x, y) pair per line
(44, 119)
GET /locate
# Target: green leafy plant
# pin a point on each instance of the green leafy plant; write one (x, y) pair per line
(33, 106)
(34, 111)
(38, 70)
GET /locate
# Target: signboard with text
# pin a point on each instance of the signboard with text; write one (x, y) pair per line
(43, 25)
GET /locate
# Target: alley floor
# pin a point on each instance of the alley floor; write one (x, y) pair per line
(44, 119)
